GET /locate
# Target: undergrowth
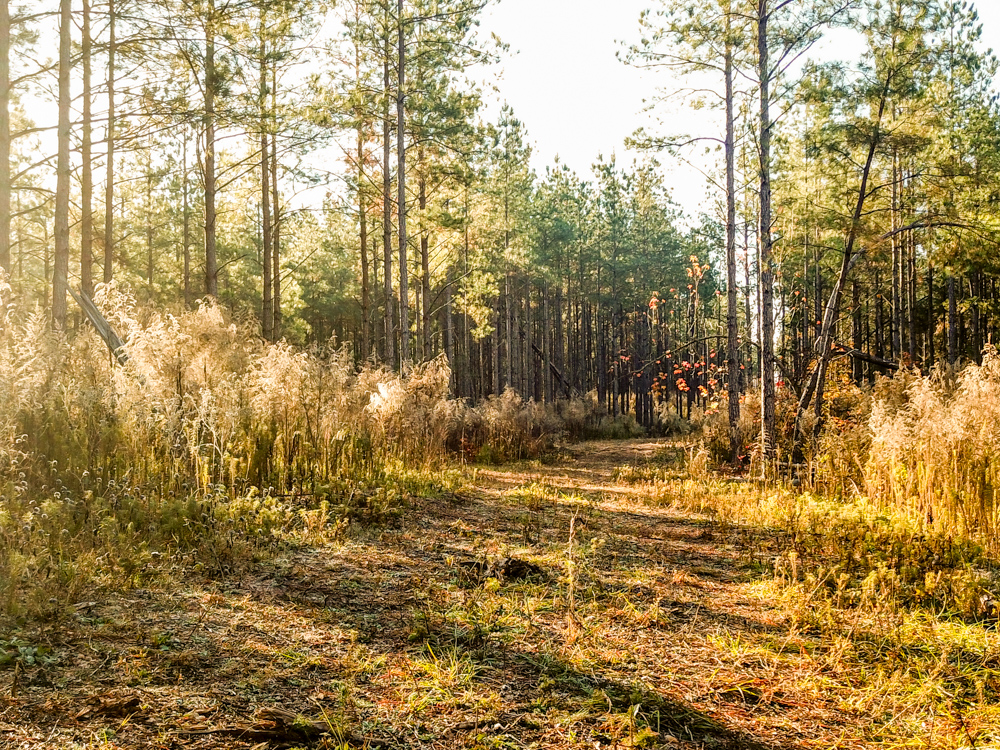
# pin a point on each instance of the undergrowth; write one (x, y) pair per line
(892, 614)
(210, 448)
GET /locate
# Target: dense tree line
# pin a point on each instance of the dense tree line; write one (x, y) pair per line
(330, 171)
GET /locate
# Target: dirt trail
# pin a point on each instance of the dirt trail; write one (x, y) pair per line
(643, 627)
(585, 467)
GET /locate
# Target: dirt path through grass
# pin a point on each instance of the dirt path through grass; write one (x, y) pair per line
(619, 623)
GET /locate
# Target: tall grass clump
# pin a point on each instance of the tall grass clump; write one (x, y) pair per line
(935, 449)
(206, 449)
(504, 428)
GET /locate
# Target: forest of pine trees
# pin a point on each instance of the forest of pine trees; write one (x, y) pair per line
(331, 418)
(330, 171)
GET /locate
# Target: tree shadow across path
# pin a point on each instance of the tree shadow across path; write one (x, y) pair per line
(643, 630)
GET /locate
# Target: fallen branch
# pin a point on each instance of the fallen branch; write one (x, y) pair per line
(840, 350)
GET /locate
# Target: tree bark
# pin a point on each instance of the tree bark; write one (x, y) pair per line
(87, 173)
(766, 261)
(390, 333)
(931, 319)
(425, 265)
(858, 369)
(211, 260)
(149, 221)
(5, 176)
(897, 245)
(275, 227)
(732, 321)
(267, 302)
(109, 184)
(187, 227)
(60, 268)
(404, 291)
(952, 321)
(366, 351)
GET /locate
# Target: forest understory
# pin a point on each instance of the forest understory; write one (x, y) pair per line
(602, 598)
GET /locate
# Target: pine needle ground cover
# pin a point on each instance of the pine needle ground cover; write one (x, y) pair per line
(647, 609)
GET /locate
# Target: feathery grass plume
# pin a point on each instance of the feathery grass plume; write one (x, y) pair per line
(209, 447)
(935, 449)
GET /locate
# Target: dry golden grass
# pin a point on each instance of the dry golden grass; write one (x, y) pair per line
(224, 528)
(649, 625)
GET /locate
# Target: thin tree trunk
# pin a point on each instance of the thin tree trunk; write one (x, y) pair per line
(879, 318)
(275, 230)
(911, 297)
(149, 221)
(366, 350)
(766, 261)
(390, 334)
(60, 269)
(187, 226)
(858, 365)
(87, 173)
(5, 176)
(548, 382)
(897, 267)
(211, 260)
(425, 265)
(823, 345)
(508, 337)
(952, 321)
(558, 342)
(496, 348)
(404, 291)
(109, 184)
(931, 321)
(449, 332)
(527, 388)
(975, 290)
(732, 322)
(267, 301)
(817, 295)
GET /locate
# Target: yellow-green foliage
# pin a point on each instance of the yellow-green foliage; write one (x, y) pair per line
(935, 450)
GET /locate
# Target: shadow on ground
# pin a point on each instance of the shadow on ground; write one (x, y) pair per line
(392, 643)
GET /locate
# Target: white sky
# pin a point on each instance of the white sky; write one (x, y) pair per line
(577, 100)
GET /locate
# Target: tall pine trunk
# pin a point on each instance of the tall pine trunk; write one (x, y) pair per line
(363, 221)
(404, 289)
(5, 175)
(732, 322)
(87, 172)
(931, 319)
(952, 321)
(425, 264)
(275, 232)
(390, 332)
(267, 301)
(366, 303)
(186, 240)
(211, 260)
(766, 260)
(109, 184)
(60, 266)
